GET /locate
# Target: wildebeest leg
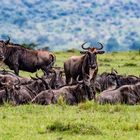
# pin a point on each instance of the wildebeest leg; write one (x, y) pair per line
(45, 69)
(68, 79)
(16, 69)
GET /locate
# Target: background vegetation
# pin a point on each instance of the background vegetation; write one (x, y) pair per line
(85, 121)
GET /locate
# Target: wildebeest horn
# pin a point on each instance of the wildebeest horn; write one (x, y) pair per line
(33, 78)
(7, 41)
(114, 71)
(84, 47)
(53, 60)
(37, 75)
(100, 45)
(18, 82)
(79, 81)
(4, 84)
(4, 71)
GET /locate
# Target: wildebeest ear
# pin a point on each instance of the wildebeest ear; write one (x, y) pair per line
(3, 45)
(83, 52)
(100, 52)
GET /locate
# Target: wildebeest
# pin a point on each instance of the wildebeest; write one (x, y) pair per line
(73, 94)
(58, 79)
(80, 65)
(20, 58)
(8, 76)
(14, 94)
(127, 94)
(114, 80)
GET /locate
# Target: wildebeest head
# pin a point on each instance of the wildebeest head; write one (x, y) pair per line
(39, 84)
(58, 79)
(106, 81)
(85, 87)
(91, 54)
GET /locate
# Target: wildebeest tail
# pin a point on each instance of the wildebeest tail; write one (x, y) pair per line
(53, 59)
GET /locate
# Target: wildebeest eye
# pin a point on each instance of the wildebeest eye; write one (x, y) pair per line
(17, 87)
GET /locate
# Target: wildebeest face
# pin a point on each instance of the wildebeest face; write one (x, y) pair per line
(85, 87)
(92, 60)
(92, 52)
(111, 82)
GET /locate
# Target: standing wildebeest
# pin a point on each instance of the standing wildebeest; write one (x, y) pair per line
(20, 58)
(128, 94)
(79, 65)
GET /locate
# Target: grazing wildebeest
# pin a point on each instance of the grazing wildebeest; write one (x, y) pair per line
(20, 58)
(127, 94)
(73, 94)
(79, 65)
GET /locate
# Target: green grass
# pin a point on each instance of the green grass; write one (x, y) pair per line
(87, 121)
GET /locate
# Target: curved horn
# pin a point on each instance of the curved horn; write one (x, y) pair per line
(4, 71)
(79, 81)
(3, 84)
(18, 82)
(100, 45)
(53, 60)
(37, 75)
(114, 71)
(84, 47)
(33, 78)
(7, 41)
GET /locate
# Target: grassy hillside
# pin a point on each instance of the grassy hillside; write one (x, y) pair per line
(86, 121)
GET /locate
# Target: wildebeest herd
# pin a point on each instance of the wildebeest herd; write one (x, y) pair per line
(77, 82)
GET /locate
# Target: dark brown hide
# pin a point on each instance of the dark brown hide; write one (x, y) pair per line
(127, 94)
(73, 94)
(80, 65)
(19, 58)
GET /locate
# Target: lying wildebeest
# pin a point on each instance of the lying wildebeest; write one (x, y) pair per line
(20, 58)
(18, 93)
(8, 76)
(106, 81)
(79, 65)
(58, 79)
(14, 94)
(113, 80)
(127, 94)
(73, 94)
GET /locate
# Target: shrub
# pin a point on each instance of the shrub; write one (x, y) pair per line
(130, 65)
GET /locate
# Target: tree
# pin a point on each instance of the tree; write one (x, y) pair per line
(135, 45)
(112, 45)
(29, 46)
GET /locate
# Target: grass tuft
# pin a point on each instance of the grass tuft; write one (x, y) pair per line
(130, 65)
(73, 128)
